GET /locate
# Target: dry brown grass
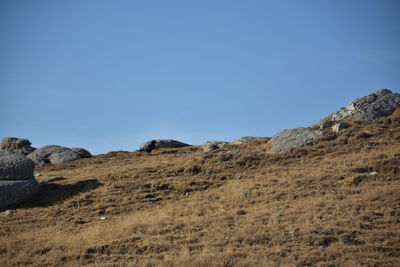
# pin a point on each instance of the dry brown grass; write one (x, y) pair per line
(239, 206)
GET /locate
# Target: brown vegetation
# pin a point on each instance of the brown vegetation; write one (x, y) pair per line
(319, 205)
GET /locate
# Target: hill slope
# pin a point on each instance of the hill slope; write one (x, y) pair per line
(334, 202)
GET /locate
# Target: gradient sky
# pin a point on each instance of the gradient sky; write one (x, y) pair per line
(110, 75)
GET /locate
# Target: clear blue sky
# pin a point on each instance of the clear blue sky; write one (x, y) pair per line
(110, 75)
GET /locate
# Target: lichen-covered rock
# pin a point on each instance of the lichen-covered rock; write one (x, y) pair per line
(64, 156)
(161, 143)
(213, 145)
(15, 166)
(13, 192)
(41, 156)
(296, 137)
(245, 140)
(83, 153)
(17, 145)
(381, 103)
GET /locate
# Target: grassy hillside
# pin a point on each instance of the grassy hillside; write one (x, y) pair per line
(319, 205)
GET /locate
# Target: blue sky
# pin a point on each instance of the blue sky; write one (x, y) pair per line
(110, 75)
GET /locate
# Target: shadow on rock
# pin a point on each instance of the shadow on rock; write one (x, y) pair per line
(51, 194)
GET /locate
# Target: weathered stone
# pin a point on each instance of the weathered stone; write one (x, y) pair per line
(83, 153)
(15, 166)
(213, 145)
(162, 143)
(41, 155)
(64, 156)
(17, 145)
(287, 139)
(339, 126)
(245, 140)
(13, 192)
(381, 103)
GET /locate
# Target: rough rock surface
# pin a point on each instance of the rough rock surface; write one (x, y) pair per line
(162, 143)
(287, 139)
(15, 166)
(83, 153)
(213, 145)
(378, 104)
(41, 155)
(16, 179)
(339, 126)
(245, 140)
(64, 156)
(17, 145)
(13, 192)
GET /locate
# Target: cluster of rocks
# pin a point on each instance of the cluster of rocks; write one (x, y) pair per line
(17, 162)
(17, 182)
(47, 154)
(379, 104)
(57, 154)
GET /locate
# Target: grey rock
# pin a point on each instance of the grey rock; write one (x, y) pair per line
(339, 126)
(41, 155)
(245, 140)
(51, 179)
(287, 139)
(17, 145)
(161, 143)
(15, 166)
(379, 104)
(13, 192)
(83, 153)
(213, 145)
(64, 156)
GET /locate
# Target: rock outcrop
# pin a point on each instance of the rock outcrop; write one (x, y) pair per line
(57, 154)
(381, 103)
(14, 166)
(245, 140)
(213, 145)
(83, 153)
(17, 182)
(161, 143)
(339, 126)
(17, 145)
(296, 137)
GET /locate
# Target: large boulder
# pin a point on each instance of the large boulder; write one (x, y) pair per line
(15, 166)
(41, 156)
(13, 192)
(381, 103)
(161, 143)
(64, 156)
(17, 182)
(213, 145)
(83, 153)
(245, 140)
(287, 139)
(16, 145)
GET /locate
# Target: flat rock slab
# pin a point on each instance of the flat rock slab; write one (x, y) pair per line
(161, 143)
(296, 137)
(15, 166)
(13, 192)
